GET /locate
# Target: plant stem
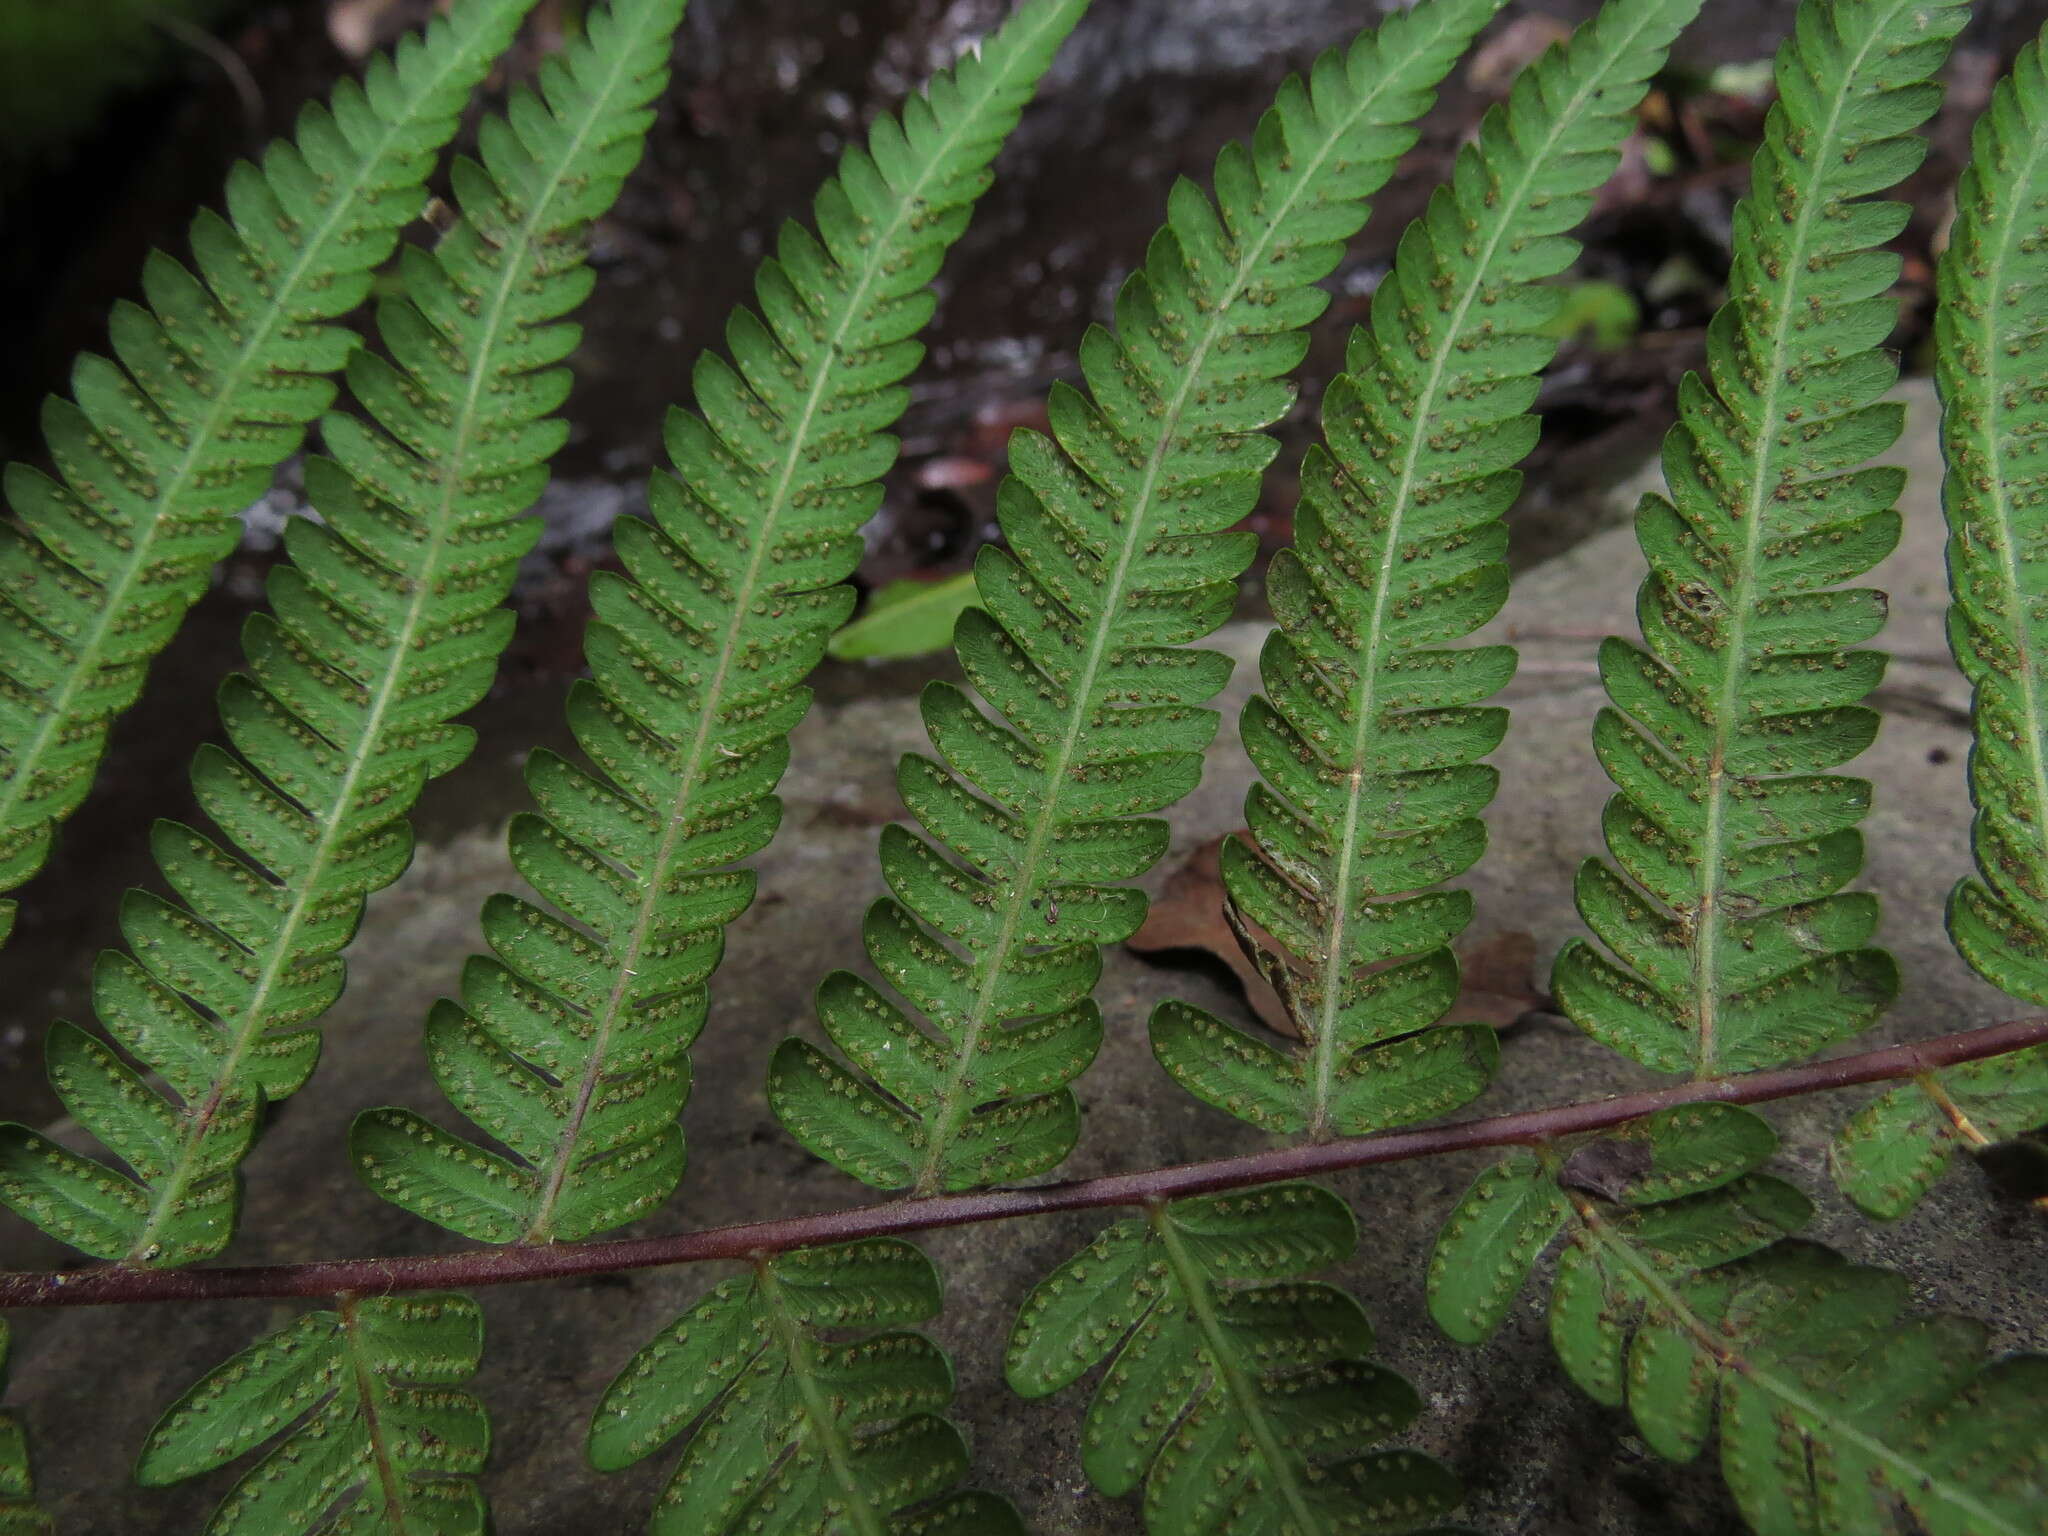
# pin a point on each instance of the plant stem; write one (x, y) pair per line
(120, 1284)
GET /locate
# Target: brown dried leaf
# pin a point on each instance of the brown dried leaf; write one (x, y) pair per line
(1511, 50)
(1189, 915)
(1497, 988)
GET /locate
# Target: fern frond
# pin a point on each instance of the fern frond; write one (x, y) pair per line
(1733, 944)
(387, 624)
(19, 1515)
(785, 1430)
(216, 383)
(1991, 328)
(1679, 1296)
(1890, 1152)
(1237, 1395)
(371, 1433)
(1371, 739)
(570, 1045)
(1118, 558)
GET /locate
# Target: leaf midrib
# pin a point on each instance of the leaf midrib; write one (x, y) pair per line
(1025, 877)
(1242, 1390)
(389, 1483)
(22, 770)
(513, 273)
(710, 721)
(1733, 657)
(1726, 1349)
(825, 1427)
(1364, 718)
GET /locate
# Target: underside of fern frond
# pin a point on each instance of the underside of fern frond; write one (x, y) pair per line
(1117, 559)
(1991, 327)
(569, 1046)
(789, 1425)
(387, 623)
(1679, 1296)
(216, 383)
(1733, 943)
(1370, 742)
(1238, 1396)
(372, 1435)
(19, 1515)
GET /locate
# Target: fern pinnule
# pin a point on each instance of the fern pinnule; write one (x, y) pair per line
(371, 1433)
(1369, 737)
(1734, 946)
(1991, 330)
(569, 1047)
(215, 385)
(387, 623)
(19, 1514)
(1117, 560)
(780, 1414)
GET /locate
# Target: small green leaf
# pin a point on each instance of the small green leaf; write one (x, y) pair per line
(1232, 1385)
(906, 618)
(370, 1432)
(782, 1418)
(19, 1515)
(1485, 1250)
(1890, 1152)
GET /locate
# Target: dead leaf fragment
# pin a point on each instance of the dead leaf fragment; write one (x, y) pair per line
(1189, 915)
(1496, 970)
(1512, 49)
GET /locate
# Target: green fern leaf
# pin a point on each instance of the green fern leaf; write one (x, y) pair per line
(1891, 1151)
(1237, 1395)
(570, 1046)
(1733, 944)
(1835, 1405)
(787, 1431)
(374, 1435)
(1512, 1211)
(19, 1515)
(1678, 1295)
(1117, 558)
(1370, 741)
(216, 384)
(1992, 328)
(386, 624)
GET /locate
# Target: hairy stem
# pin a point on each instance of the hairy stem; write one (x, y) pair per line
(114, 1285)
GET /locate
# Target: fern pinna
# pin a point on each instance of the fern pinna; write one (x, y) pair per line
(216, 383)
(1678, 1293)
(787, 1425)
(1678, 1296)
(19, 1515)
(1991, 326)
(1233, 1386)
(387, 623)
(1734, 946)
(570, 1046)
(1370, 742)
(373, 1435)
(1117, 557)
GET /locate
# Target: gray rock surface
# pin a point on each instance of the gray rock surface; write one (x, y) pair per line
(1539, 1458)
